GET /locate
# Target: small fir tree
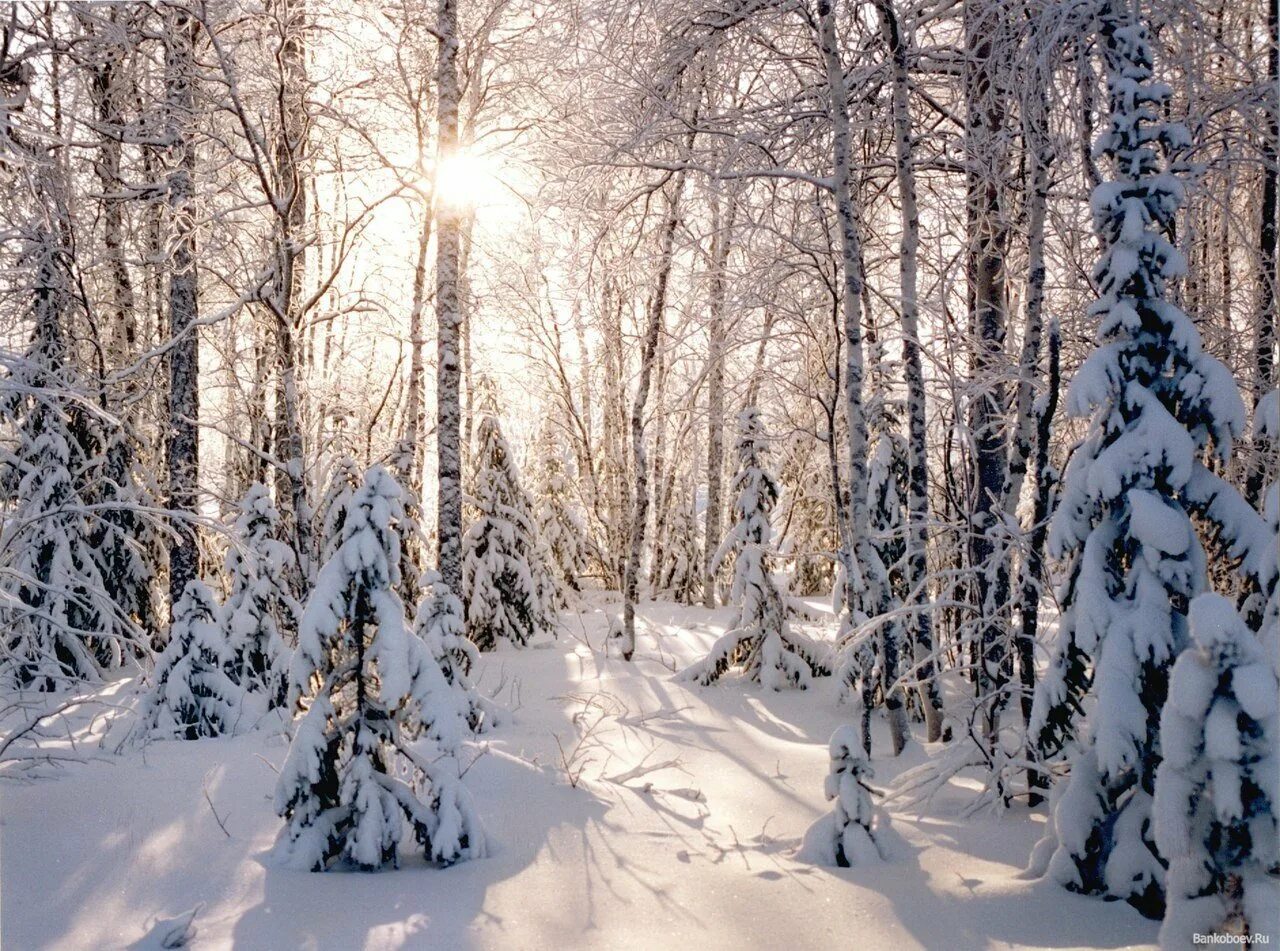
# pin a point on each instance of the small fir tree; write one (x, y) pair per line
(761, 642)
(441, 627)
(681, 576)
(501, 561)
(857, 821)
(559, 526)
(60, 622)
(192, 696)
(127, 545)
(366, 762)
(344, 481)
(260, 613)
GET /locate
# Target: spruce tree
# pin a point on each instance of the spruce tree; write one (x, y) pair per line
(344, 481)
(60, 623)
(192, 696)
(126, 542)
(1218, 786)
(413, 541)
(806, 509)
(440, 626)
(501, 561)
(357, 777)
(681, 577)
(856, 819)
(559, 526)
(260, 614)
(761, 642)
(1158, 404)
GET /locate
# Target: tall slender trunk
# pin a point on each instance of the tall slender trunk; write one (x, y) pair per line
(105, 83)
(721, 242)
(1028, 426)
(921, 623)
(1265, 338)
(290, 245)
(182, 447)
(865, 575)
(1033, 563)
(414, 419)
(640, 498)
(984, 154)
(448, 315)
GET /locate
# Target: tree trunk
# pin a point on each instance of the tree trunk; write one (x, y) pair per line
(640, 499)
(448, 315)
(721, 241)
(1033, 565)
(1265, 339)
(414, 420)
(864, 574)
(291, 211)
(182, 448)
(986, 278)
(921, 620)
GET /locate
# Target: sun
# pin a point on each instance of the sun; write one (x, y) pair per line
(467, 180)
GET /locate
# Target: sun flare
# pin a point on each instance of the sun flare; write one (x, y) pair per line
(467, 180)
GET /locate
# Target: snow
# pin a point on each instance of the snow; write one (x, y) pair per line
(700, 854)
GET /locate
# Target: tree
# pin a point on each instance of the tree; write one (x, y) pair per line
(1157, 403)
(501, 559)
(1218, 786)
(369, 688)
(866, 586)
(260, 612)
(761, 641)
(560, 528)
(192, 695)
(448, 312)
(856, 821)
(440, 625)
(683, 574)
(182, 447)
(60, 622)
(344, 481)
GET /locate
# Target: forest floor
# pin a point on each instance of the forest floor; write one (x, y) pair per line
(626, 811)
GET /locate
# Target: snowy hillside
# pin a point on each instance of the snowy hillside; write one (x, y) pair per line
(628, 811)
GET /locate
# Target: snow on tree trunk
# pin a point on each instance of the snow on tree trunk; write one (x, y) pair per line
(865, 582)
(192, 695)
(1158, 405)
(1032, 578)
(372, 757)
(501, 558)
(716, 347)
(448, 314)
(1218, 786)
(987, 238)
(639, 404)
(761, 642)
(182, 444)
(920, 624)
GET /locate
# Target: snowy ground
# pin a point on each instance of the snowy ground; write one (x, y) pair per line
(698, 854)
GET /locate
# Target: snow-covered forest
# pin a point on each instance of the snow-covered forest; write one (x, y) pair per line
(639, 474)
